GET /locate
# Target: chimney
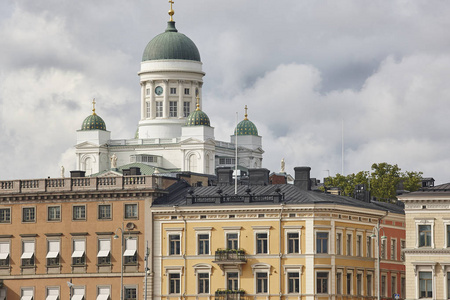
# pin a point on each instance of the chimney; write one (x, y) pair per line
(225, 176)
(258, 176)
(303, 178)
(74, 174)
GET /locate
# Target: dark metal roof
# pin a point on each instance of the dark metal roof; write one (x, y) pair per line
(181, 194)
(445, 187)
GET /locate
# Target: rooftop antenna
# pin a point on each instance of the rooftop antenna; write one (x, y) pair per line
(236, 154)
(342, 150)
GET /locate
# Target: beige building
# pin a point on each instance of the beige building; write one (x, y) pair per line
(67, 238)
(427, 250)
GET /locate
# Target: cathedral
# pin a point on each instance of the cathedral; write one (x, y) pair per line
(174, 133)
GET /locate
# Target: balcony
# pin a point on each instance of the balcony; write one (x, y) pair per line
(230, 258)
(222, 294)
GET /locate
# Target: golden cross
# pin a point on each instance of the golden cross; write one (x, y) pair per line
(198, 102)
(93, 106)
(171, 11)
(246, 112)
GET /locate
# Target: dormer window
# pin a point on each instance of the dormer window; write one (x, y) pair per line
(143, 158)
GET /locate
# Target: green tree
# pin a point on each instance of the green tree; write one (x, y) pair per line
(383, 181)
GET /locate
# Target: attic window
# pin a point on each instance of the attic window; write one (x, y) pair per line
(143, 158)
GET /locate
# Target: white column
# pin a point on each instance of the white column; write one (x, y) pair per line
(166, 99)
(180, 99)
(152, 99)
(309, 259)
(143, 100)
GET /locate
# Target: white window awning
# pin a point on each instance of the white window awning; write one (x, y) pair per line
(27, 255)
(77, 253)
(3, 255)
(52, 297)
(103, 297)
(77, 297)
(53, 249)
(131, 246)
(26, 298)
(104, 248)
(52, 255)
(28, 250)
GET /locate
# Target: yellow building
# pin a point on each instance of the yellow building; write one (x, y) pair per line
(427, 250)
(266, 241)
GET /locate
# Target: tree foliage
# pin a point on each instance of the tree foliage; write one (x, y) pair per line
(383, 181)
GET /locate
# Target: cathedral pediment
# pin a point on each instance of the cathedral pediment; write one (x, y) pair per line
(87, 145)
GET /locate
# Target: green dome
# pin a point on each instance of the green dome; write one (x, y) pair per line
(171, 45)
(93, 122)
(197, 118)
(246, 127)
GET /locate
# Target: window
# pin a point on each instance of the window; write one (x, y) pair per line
(103, 292)
(448, 234)
(322, 283)
(261, 283)
(359, 245)
(322, 242)
(28, 214)
(339, 243)
(104, 212)
(227, 161)
(5, 215)
(203, 244)
(402, 253)
(174, 244)
(203, 283)
(359, 284)
(369, 284)
(147, 91)
(393, 249)
(131, 211)
(349, 283)
(403, 287)
(174, 283)
(79, 212)
(233, 281)
(232, 241)
(383, 285)
(78, 254)
(27, 253)
(54, 213)
(173, 108)
(383, 249)
(369, 246)
(52, 293)
(159, 109)
(424, 235)
(27, 293)
(130, 254)
(104, 249)
(130, 293)
(293, 242)
(53, 252)
(338, 283)
(393, 285)
(349, 244)
(261, 243)
(294, 282)
(186, 109)
(173, 91)
(425, 284)
(186, 91)
(4, 254)
(78, 293)
(148, 106)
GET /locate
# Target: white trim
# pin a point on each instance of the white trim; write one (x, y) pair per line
(328, 282)
(286, 240)
(255, 275)
(351, 272)
(361, 246)
(340, 271)
(341, 242)
(255, 233)
(197, 233)
(262, 227)
(446, 242)
(315, 240)
(425, 267)
(180, 234)
(349, 251)
(261, 267)
(227, 232)
(203, 228)
(424, 221)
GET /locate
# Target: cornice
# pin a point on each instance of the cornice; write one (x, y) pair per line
(427, 251)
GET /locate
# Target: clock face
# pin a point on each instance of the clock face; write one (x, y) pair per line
(158, 90)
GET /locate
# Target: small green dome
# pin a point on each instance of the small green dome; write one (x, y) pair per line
(246, 127)
(171, 45)
(197, 118)
(93, 122)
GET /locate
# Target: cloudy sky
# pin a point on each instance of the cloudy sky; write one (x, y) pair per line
(382, 68)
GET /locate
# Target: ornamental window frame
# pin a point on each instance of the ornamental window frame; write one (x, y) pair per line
(173, 109)
(393, 249)
(159, 109)
(202, 268)
(57, 217)
(261, 268)
(369, 246)
(53, 252)
(349, 282)
(339, 243)
(27, 259)
(425, 221)
(78, 215)
(186, 108)
(327, 241)
(104, 212)
(258, 230)
(171, 231)
(130, 288)
(359, 241)
(446, 223)
(237, 280)
(135, 210)
(203, 231)
(29, 214)
(174, 270)
(328, 282)
(5, 215)
(78, 252)
(290, 269)
(5, 253)
(339, 283)
(349, 243)
(425, 266)
(296, 230)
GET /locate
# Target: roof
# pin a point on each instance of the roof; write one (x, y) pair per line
(145, 169)
(93, 122)
(445, 187)
(180, 193)
(197, 118)
(171, 45)
(246, 127)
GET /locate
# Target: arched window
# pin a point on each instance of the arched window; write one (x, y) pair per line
(193, 163)
(88, 166)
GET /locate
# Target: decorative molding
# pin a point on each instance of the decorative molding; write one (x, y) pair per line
(53, 234)
(29, 235)
(79, 233)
